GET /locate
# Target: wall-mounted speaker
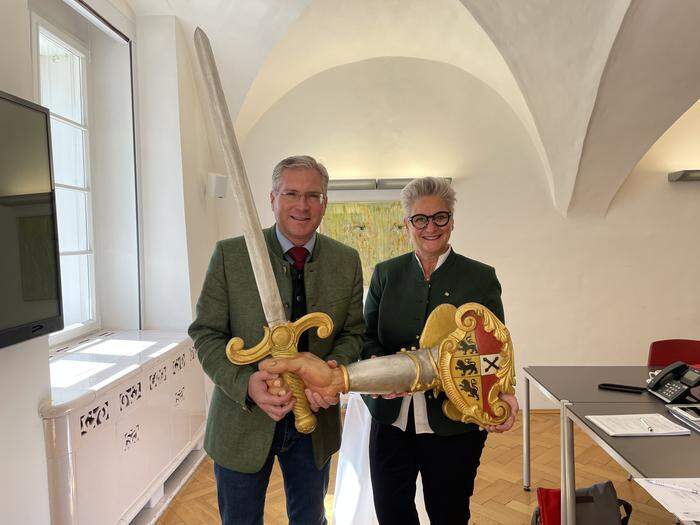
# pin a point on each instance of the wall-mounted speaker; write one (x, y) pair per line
(217, 185)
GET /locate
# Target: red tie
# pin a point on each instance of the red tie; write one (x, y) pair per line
(299, 254)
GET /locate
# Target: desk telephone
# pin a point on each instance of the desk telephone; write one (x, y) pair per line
(673, 383)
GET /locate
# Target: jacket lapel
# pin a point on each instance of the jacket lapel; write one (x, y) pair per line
(280, 267)
(311, 275)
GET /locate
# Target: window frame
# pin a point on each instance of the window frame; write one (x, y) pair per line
(76, 46)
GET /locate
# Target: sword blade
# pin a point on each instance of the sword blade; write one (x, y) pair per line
(252, 231)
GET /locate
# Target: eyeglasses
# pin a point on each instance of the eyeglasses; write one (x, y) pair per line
(420, 221)
(312, 197)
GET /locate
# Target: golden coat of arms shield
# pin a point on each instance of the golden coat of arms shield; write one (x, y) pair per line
(475, 362)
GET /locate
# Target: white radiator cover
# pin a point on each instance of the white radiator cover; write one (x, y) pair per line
(126, 410)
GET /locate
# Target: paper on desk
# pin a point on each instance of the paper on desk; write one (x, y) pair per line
(638, 425)
(667, 491)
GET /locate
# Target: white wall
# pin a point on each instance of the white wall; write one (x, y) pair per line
(166, 292)
(113, 181)
(576, 291)
(15, 51)
(178, 224)
(64, 18)
(24, 368)
(24, 384)
(200, 211)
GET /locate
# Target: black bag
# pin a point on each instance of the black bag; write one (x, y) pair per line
(595, 505)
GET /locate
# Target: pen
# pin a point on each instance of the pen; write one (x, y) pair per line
(671, 486)
(644, 422)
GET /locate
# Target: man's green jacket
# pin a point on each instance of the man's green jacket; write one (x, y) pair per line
(237, 437)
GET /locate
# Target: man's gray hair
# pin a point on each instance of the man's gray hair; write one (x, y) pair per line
(426, 187)
(299, 161)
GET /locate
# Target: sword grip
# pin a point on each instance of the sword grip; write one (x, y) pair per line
(304, 418)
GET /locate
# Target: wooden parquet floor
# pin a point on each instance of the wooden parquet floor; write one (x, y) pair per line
(498, 496)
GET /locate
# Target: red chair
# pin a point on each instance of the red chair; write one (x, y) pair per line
(667, 351)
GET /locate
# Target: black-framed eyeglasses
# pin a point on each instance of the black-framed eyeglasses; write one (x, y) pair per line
(440, 219)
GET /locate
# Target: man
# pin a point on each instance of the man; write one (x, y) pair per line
(247, 425)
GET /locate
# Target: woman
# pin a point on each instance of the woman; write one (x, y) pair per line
(409, 433)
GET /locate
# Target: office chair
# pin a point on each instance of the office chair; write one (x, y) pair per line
(667, 351)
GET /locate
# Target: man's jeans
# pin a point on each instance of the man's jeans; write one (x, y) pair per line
(242, 496)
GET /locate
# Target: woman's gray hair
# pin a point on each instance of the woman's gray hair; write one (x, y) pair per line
(426, 187)
(299, 161)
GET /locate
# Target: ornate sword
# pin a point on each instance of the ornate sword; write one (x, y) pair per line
(458, 349)
(280, 336)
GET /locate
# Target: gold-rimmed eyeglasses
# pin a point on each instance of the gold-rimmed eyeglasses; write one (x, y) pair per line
(312, 197)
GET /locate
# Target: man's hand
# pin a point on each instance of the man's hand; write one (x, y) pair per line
(317, 375)
(316, 400)
(508, 423)
(276, 405)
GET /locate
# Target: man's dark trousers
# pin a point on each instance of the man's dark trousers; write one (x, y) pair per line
(242, 496)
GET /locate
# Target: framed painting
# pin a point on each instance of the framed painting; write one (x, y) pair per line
(374, 229)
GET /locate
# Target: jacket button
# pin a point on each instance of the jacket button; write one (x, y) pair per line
(286, 305)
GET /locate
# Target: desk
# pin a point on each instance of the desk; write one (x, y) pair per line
(640, 455)
(574, 384)
(575, 389)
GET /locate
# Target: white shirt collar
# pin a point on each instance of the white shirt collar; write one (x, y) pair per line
(440, 260)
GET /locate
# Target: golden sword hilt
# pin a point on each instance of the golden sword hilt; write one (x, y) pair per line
(281, 341)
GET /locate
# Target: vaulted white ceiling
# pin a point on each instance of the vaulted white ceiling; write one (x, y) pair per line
(652, 78)
(557, 50)
(594, 84)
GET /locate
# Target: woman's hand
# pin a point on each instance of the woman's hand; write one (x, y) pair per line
(508, 423)
(394, 395)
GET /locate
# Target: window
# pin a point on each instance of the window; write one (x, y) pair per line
(61, 71)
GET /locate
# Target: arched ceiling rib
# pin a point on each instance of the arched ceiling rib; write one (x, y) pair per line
(557, 51)
(336, 32)
(652, 78)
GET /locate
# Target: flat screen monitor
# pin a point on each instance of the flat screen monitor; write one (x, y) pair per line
(30, 288)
